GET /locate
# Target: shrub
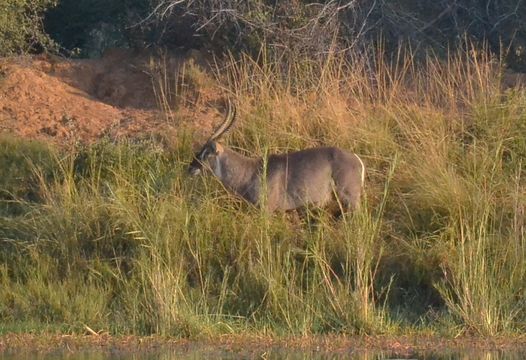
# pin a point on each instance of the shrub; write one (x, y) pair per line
(21, 27)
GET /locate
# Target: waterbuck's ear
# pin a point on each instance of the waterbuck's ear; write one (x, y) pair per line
(216, 148)
(213, 147)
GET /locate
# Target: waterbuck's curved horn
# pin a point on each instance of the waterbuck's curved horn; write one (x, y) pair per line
(227, 123)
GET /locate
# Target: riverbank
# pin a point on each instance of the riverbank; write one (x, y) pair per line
(241, 344)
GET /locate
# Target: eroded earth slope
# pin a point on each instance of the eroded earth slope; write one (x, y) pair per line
(70, 101)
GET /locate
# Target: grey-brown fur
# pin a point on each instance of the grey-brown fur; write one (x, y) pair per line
(296, 179)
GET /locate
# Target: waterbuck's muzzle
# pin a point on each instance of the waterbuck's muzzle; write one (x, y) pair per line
(195, 167)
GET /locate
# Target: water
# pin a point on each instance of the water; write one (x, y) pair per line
(210, 353)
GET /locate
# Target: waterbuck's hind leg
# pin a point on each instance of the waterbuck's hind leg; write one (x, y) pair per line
(347, 200)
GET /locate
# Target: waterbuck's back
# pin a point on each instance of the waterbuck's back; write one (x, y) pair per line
(314, 176)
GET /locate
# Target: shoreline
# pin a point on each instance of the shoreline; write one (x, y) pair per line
(401, 345)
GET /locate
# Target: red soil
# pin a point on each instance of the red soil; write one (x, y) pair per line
(70, 101)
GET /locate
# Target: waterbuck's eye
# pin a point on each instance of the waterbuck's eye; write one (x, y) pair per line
(208, 149)
(203, 154)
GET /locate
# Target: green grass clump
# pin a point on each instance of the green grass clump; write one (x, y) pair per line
(119, 238)
(22, 164)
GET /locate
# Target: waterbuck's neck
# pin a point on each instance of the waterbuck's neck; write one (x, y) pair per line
(237, 172)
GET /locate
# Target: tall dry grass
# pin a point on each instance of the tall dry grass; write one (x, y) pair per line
(141, 248)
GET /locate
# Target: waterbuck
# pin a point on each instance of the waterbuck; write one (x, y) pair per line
(316, 176)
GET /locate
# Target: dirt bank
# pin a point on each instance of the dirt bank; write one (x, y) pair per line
(68, 101)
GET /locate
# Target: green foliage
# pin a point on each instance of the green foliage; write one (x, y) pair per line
(21, 26)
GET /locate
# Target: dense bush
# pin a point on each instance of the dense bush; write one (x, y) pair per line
(87, 27)
(304, 26)
(21, 26)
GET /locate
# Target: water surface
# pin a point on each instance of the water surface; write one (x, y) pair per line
(287, 354)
